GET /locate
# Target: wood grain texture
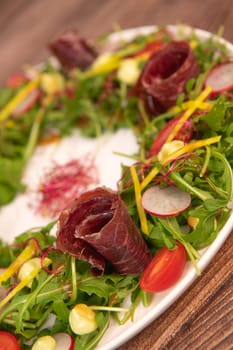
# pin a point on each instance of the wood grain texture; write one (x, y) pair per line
(27, 26)
(203, 317)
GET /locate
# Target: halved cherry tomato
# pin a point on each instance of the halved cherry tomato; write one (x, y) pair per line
(184, 134)
(16, 80)
(150, 48)
(164, 270)
(8, 341)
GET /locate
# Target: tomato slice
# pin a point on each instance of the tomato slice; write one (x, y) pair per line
(161, 138)
(8, 341)
(164, 270)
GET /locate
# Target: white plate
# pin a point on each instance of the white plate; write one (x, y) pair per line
(18, 216)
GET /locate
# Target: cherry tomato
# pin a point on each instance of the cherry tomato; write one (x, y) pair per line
(8, 341)
(150, 48)
(164, 270)
(16, 80)
(184, 134)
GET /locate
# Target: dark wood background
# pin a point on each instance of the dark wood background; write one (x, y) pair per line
(203, 317)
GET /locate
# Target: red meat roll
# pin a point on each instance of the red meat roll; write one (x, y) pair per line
(165, 75)
(97, 228)
(73, 51)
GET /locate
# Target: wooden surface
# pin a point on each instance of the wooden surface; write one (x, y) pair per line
(203, 317)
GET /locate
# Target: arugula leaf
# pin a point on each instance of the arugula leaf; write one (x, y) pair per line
(6, 255)
(98, 286)
(5, 95)
(61, 310)
(41, 234)
(10, 178)
(215, 117)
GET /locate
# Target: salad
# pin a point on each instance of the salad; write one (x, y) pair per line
(104, 252)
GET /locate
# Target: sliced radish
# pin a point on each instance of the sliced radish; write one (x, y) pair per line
(64, 341)
(220, 78)
(27, 103)
(165, 201)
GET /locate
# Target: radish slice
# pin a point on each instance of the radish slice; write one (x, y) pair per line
(27, 103)
(64, 341)
(165, 201)
(220, 78)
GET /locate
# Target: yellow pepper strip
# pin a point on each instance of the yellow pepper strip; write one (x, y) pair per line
(33, 138)
(138, 197)
(149, 177)
(103, 64)
(25, 255)
(193, 43)
(14, 102)
(142, 57)
(24, 283)
(108, 62)
(189, 147)
(189, 112)
(188, 104)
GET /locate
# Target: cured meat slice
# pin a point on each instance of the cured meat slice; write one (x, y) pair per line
(73, 51)
(97, 227)
(165, 75)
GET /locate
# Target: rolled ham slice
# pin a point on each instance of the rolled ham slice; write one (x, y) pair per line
(98, 228)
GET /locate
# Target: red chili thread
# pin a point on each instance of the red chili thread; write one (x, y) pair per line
(174, 167)
(44, 255)
(63, 183)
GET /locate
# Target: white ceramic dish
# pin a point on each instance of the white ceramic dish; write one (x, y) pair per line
(18, 216)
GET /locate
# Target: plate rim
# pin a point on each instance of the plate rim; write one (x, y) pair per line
(209, 252)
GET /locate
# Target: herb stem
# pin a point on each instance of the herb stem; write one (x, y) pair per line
(99, 335)
(199, 193)
(74, 282)
(171, 225)
(206, 161)
(109, 308)
(143, 113)
(137, 190)
(145, 297)
(33, 135)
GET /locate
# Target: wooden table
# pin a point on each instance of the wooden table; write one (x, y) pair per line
(203, 317)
